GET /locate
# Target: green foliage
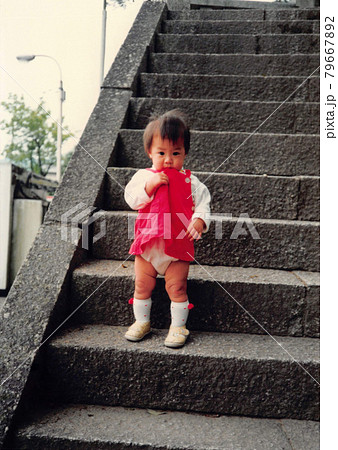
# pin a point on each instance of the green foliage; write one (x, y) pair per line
(33, 136)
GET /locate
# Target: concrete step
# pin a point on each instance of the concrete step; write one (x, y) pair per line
(256, 292)
(273, 154)
(246, 14)
(232, 115)
(237, 43)
(268, 197)
(238, 374)
(97, 427)
(237, 27)
(240, 64)
(220, 5)
(244, 242)
(227, 87)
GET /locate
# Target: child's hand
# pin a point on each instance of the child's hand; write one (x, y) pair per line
(194, 230)
(155, 181)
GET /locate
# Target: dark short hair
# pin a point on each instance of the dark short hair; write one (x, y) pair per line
(171, 125)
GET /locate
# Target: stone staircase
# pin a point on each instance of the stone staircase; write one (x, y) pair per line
(248, 375)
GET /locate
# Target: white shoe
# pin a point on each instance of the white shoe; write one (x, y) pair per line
(177, 336)
(137, 331)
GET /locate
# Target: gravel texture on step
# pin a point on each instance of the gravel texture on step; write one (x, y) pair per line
(102, 427)
(226, 299)
(235, 27)
(230, 241)
(234, 64)
(222, 373)
(246, 14)
(231, 152)
(232, 115)
(238, 43)
(230, 87)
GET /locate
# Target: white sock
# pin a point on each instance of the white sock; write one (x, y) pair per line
(179, 313)
(142, 309)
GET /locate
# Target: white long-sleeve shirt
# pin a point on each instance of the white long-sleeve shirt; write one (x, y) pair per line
(136, 196)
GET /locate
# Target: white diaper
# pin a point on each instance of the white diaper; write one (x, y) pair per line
(154, 253)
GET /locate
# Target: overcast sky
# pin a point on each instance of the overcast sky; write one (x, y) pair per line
(69, 31)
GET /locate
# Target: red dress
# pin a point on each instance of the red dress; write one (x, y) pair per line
(167, 216)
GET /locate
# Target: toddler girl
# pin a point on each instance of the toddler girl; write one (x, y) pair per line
(174, 209)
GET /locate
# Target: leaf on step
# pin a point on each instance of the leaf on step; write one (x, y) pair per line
(213, 416)
(155, 413)
(125, 267)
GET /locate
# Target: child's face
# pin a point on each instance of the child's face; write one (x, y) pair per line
(165, 154)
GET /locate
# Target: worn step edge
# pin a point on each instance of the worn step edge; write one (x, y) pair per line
(241, 102)
(203, 35)
(210, 114)
(240, 55)
(244, 21)
(174, 85)
(249, 275)
(227, 76)
(119, 372)
(224, 298)
(256, 26)
(203, 14)
(277, 88)
(96, 425)
(214, 36)
(201, 343)
(224, 5)
(265, 63)
(237, 43)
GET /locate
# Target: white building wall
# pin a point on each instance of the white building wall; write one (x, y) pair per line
(27, 218)
(5, 220)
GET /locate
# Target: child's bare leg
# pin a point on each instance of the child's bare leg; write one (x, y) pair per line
(145, 278)
(176, 285)
(176, 280)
